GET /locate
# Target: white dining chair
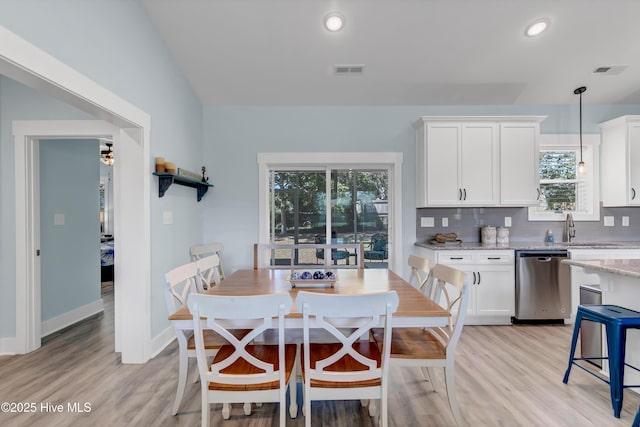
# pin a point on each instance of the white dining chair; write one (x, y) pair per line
(208, 272)
(349, 368)
(242, 371)
(435, 347)
(420, 268)
(201, 251)
(180, 282)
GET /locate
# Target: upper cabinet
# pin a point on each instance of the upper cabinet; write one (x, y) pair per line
(477, 161)
(620, 157)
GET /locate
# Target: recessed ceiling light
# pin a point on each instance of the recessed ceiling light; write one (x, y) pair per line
(333, 21)
(537, 27)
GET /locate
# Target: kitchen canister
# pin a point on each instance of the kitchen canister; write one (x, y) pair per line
(488, 235)
(502, 236)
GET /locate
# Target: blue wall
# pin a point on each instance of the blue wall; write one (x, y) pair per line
(115, 44)
(235, 135)
(70, 253)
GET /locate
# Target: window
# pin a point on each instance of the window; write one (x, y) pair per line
(348, 196)
(562, 189)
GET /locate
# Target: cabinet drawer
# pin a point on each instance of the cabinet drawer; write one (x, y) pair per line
(450, 258)
(505, 258)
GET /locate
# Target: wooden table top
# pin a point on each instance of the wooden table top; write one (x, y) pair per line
(350, 282)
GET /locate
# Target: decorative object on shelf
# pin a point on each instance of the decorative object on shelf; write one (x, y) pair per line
(188, 174)
(581, 165)
(502, 236)
(165, 179)
(160, 164)
(488, 235)
(106, 156)
(205, 178)
(170, 167)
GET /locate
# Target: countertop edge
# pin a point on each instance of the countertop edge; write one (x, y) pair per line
(530, 246)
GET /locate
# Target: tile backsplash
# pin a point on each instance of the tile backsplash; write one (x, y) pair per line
(466, 223)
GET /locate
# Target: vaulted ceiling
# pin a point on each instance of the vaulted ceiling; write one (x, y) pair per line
(414, 52)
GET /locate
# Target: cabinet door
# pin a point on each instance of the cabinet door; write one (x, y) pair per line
(495, 290)
(519, 164)
(634, 161)
(479, 164)
(443, 168)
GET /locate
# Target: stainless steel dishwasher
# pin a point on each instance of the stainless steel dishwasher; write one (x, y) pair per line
(543, 286)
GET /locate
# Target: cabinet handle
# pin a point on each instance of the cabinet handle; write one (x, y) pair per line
(455, 257)
(493, 257)
(479, 278)
(459, 194)
(538, 190)
(633, 192)
(474, 277)
(465, 194)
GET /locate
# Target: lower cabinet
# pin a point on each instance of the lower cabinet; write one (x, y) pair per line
(490, 275)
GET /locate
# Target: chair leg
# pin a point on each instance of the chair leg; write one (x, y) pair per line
(183, 367)
(205, 407)
(307, 406)
(636, 420)
(574, 341)
(247, 408)
(450, 379)
(427, 373)
(226, 410)
(293, 397)
(373, 408)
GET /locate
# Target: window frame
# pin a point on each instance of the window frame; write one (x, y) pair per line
(591, 157)
(389, 161)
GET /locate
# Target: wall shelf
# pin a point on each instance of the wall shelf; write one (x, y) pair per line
(165, 179)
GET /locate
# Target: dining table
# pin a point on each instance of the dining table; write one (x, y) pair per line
(414, 309)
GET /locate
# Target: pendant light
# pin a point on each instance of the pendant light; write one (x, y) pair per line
(106, 157)
(581, 165)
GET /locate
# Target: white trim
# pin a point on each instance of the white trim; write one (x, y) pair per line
(591, 146)
(390, 161)
(162, 340)
(70, 317)
(33, 67)
(8, 346)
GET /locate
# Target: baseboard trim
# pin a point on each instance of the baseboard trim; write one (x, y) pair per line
(162, 340)
(8, 346)
(69, 318)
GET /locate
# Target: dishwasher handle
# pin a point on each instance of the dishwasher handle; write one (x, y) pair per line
(544, 259)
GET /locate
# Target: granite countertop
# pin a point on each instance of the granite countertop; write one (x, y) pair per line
(532, 245)
(623, 267)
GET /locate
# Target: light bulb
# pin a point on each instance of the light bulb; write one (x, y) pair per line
(582, 169)
(333, 22)
(537, 28)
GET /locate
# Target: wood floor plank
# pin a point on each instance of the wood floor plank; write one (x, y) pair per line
(506, 376)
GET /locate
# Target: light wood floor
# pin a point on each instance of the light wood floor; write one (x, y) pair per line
(506, 376)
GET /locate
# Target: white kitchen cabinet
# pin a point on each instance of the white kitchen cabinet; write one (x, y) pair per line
(579, 277)
(470, 161)
(519, 163)
(620, 157)
(490, 275)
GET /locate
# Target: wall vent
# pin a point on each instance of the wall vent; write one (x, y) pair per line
(349, 70)
(610, 70)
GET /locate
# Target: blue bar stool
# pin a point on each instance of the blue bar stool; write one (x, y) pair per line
(616, 320)
(636, 421)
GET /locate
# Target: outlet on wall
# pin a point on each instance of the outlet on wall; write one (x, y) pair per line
(445, 222)
(609, 221)
(625, 221)
(507, 221)
(427, 221)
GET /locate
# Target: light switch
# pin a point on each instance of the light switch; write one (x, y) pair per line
(427, 221)
(167, 217)
(58, 219)
(609, 221)
(507, 221)
(445, 222)
(625, 221)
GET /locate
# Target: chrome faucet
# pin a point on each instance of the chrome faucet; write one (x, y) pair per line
(569, 229)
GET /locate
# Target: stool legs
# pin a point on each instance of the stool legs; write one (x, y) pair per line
(636, 420)
(616, 343)
(574, 341)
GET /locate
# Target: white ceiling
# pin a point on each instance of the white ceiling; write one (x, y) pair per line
(415, 52)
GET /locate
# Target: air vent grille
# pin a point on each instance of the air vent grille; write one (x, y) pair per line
(610, 70)
(349, 70)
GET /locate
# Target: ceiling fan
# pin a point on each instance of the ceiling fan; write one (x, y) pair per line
(106, 156)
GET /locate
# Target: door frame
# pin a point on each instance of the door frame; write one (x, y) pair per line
(27, 64)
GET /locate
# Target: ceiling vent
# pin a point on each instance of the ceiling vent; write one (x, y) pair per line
(610, 70)
(349, 70)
